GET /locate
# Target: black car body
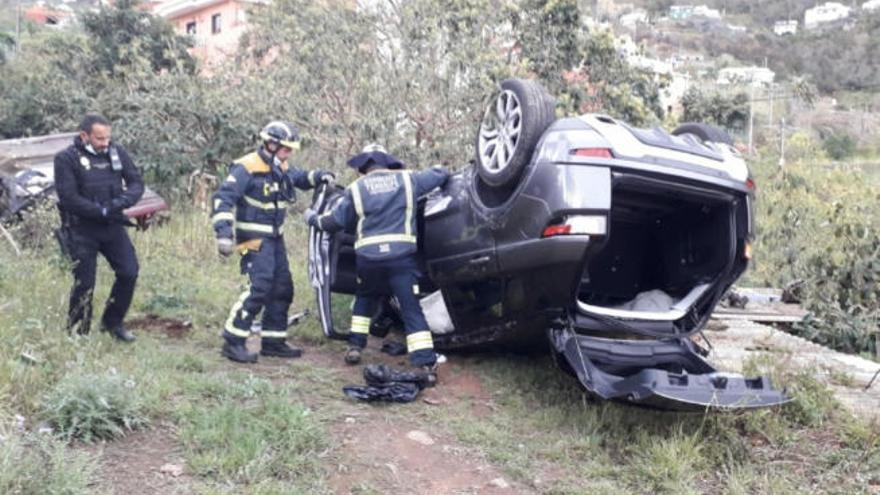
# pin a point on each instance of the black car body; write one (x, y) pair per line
(614, 243)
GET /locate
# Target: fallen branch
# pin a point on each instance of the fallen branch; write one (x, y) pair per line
(9, 238)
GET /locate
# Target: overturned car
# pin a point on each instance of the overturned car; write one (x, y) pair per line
(613, 243)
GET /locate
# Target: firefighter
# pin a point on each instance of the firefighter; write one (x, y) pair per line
(96, 180)
(252, 203)
(381, 204)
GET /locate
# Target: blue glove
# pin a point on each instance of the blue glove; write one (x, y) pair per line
(311, 218)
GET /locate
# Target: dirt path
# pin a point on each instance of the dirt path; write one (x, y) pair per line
(144, 463)
(375, 448)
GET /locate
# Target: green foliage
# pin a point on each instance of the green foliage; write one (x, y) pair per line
(728, 111)
(43, 90)
(264, 439)
(95, 406)
(7, 42)
(819, 225)
(38, 464)
(124, 32)
(59, 75)
(839, 146)
(583, 68)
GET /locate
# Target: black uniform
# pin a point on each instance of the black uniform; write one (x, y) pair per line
(93, 189)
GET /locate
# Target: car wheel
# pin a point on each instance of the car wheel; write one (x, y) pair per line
(514, 121)
(704, 132)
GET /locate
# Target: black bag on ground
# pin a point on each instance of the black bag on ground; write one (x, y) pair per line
(387, 384)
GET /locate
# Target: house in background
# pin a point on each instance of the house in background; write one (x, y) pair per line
(755, 76)
(214, 25)
(871, 5)
(827, 12)
(785, 27)
(49, 15)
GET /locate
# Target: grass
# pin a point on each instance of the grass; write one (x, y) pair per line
(95, 406)
(32, 464)
(271, 429)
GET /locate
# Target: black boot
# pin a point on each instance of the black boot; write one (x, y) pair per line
(121, 333)
(353, 355)
(280, 349)
(236, 351)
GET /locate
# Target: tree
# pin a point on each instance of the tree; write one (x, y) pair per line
(7, 42)
(728, 111)
(122, 32)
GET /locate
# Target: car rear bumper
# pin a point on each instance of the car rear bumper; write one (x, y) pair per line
(665, 374)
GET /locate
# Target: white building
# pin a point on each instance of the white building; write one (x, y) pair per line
(756, 76)
(871, 5)
(786, 27)
(705, 11)
(827, 12)
(633, 18)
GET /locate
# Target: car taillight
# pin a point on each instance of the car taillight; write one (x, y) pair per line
(750, 184)
(592, 152)
(578, 225)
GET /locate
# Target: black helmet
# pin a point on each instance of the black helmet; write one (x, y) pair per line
(374, 154)
(283, 133)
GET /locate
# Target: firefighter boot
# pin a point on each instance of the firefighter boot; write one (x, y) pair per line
(236, 351)
(353, 355)
(121, 333)
(279, 348)
(428, 374)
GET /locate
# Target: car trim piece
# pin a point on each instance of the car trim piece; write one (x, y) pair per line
(676, 312)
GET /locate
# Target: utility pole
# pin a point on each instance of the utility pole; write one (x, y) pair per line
(751, 118)
(782, 142)
(17, 28)
(770, 120)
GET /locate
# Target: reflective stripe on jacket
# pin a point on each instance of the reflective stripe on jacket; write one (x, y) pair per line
(381, 206)
(254, 197)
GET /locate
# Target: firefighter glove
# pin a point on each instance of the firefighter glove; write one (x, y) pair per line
(311, 217)
(225, 246)
(326, 177)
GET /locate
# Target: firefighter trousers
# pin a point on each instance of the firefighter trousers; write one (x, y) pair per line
(398, 278)
(269, 291)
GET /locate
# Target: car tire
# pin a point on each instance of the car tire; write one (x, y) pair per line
(705, 133)
(515, 119)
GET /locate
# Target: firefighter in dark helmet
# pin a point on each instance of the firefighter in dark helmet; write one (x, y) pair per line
(249, 211)
(381, 206)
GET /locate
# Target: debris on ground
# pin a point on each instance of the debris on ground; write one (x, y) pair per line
(174, 470)
(420, 437)
(759, 304)
(387, 384)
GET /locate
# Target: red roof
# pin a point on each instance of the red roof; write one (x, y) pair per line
(43, 15)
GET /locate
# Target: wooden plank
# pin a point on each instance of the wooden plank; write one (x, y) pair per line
(758, 317)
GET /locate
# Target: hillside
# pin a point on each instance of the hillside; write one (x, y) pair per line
(842, 55)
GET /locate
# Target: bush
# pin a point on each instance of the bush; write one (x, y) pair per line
(820, 225)
(839, 146)
(37, 464)
(90, 406)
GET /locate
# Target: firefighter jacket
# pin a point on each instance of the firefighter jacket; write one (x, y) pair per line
(93, 188)
(381, 206)
(254, 197)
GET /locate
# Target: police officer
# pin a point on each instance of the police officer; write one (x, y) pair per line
(252, 203)
(382, 206)
(96, 180)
